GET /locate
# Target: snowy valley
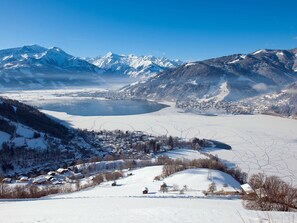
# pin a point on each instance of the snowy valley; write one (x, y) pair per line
(181, 142)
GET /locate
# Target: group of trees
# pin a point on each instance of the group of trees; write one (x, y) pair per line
(172, 166)
(271, 194)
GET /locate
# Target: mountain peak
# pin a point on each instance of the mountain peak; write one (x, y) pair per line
(132, 65)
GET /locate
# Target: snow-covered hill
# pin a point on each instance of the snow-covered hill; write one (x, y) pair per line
(132, 65)
(126, 203)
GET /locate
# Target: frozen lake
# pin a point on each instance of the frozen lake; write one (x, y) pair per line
(95, 107)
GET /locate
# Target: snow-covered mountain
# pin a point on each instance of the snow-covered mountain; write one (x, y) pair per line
(36, 66)
(228, 78)
(133, 66)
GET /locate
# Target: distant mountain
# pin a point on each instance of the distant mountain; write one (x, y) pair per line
(228, 78)
(133, 66)
(36, 66)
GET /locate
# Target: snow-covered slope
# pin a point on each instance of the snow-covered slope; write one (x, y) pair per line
(229, 78)
(126, 203)
(132, 65)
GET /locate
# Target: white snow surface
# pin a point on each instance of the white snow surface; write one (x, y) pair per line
(183, 153)
(126, 203)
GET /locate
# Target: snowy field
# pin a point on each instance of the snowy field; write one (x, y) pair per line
(126, 203)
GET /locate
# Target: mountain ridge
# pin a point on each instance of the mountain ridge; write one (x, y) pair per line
(242, 75)
(132, 65)
(34, 66)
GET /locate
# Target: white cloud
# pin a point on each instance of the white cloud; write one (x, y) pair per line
(260, 87)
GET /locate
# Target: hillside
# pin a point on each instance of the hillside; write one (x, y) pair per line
(283, 102)
(228, 78)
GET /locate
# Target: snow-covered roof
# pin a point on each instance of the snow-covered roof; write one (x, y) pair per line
(247, 188)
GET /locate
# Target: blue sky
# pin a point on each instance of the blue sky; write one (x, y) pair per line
(189, 30)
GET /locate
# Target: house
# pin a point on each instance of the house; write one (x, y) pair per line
(24, 179)
(247, 188)
(145, 190)
(49, 178)
(39, 180)
(62, 170)
(7, 180)
(52, 173)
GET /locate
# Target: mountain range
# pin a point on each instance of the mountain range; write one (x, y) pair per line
(228, 78)
(35, 66)
(133, 66)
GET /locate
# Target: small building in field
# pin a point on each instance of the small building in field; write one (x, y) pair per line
(247, 189)
(145, 190)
